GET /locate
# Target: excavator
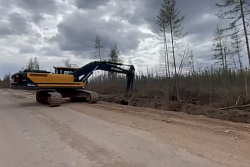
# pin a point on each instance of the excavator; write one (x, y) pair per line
(67, 82)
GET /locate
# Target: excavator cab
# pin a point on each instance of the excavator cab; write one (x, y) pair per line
(64, 70)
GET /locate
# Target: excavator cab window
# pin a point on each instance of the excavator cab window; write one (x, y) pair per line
(64, 70)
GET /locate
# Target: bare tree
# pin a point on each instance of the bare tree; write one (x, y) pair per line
(66, 62)
(36, 64)
(30, 64)
(219, 48)
(237, 46)
(184, 59)
(33, 64)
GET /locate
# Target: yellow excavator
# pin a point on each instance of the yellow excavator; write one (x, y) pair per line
(67, 82)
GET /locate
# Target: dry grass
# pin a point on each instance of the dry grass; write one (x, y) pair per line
(207, 88)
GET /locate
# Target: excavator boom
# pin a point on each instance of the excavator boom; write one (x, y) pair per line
(83, 73)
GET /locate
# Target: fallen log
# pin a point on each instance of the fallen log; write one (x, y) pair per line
(232, 107)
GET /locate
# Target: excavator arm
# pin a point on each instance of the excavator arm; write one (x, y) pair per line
(83, 73)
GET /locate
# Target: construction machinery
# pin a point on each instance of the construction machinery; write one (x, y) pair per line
(67, 82)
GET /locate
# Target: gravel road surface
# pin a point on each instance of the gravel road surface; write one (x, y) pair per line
(111, 135)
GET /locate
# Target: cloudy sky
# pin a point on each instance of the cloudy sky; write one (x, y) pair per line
(53, 30)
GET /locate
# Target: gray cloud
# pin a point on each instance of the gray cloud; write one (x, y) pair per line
(91, 4)
(4, 28)
(16, 24)
(37, 6)
(27, 49)
(78, 31)
(141, 12)
(19, 24)
(37, 17)
(51, 51)
(147, 11)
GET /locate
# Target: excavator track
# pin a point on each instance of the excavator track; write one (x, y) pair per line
(53, 98)
(83, 95)
(91, 97)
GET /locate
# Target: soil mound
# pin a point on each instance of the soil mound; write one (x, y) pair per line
(161, 103)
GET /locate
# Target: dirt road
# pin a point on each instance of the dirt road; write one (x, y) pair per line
(110, 135)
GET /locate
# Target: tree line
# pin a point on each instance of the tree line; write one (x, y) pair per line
(229, 73)
(229, 43)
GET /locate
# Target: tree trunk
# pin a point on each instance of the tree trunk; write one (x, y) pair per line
(175, 88)
(222, 52)
(245, 30)
(100, 53)
(225, 57)
(240, 61)
(166, 54)
(172, 41)
(235, 64)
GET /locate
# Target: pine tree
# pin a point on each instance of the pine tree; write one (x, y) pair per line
(236, 11)
(114, 58)
(162, 27)
(169, 18)
(175, 26)
(114, 55)
(98, 46)
(191, 63)
(172, 20)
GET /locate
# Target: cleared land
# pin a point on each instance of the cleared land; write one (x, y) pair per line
(107, 134)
